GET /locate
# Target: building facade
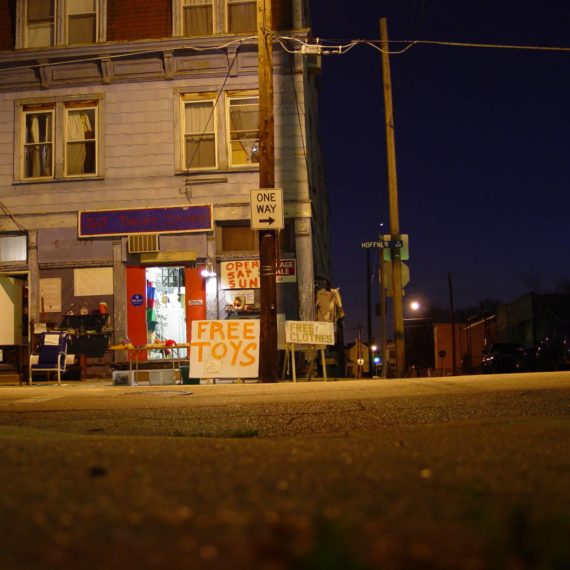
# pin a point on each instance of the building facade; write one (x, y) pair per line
(129, 144)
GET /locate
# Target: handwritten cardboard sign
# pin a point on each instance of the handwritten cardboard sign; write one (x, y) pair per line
(225, 349)
(240, 274)
(309, 332)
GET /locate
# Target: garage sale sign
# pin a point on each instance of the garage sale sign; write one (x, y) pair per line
(225, 349)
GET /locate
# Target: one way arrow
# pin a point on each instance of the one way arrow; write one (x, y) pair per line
(269, 220)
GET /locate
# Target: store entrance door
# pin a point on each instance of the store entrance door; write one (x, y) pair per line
(162, 302)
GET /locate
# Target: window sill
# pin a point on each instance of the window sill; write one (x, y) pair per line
(55, 180)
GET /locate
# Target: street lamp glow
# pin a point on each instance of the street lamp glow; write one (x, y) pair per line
(415, 306)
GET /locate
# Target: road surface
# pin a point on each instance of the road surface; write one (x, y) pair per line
(459, 472)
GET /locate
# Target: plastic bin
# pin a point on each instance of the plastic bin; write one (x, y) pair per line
(124, 378)
(185, 373)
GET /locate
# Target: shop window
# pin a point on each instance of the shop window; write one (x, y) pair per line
(241, 16)
(243, 122)
(61, 22)
(199, 148)
(77, 127)
(13, 248)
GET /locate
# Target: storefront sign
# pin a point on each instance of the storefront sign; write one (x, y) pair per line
(225, 349)
(309, 332)
(240, 274)
(286, 271)
(190, 218)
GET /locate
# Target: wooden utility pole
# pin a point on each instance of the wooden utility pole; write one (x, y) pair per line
(267, 238)
(393, 205)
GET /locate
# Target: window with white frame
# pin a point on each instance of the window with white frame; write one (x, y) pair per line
(61, 22)
(75, 124)
(197, 17)
(243, 130)
(200, 144)
(206, 17)
(241, 16)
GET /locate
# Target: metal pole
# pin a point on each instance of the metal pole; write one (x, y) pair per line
(393, 205)
(452, 318)
(383, 316)
(267, 239)
(369, 312)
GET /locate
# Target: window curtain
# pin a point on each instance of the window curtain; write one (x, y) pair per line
(198, 20)
(242, 16)
(244, 119)
(199, 138)
(38, 146)
(80, 142)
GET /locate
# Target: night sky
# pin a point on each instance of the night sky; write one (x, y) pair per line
(482, 147)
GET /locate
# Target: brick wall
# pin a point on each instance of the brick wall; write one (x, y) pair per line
(138, 19)
(7, 22)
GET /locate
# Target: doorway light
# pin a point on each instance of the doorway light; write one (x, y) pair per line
(208, 270)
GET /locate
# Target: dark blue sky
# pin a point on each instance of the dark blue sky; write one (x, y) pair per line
(482, 146)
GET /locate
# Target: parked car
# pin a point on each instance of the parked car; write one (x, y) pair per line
(553, 351)
(502, 357)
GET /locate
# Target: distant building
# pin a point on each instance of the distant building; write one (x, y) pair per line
(530, 318)
(129, 145)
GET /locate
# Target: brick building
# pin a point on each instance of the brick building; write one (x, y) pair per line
(128, 149)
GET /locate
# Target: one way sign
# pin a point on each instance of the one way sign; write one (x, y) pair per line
(267, 209)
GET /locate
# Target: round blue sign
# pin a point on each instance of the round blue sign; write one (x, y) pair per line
(137, 300)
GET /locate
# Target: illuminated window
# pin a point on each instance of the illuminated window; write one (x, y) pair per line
(80, 139)
(207, 17)
(243, 127)
(61, 22)
(40, 23)
(77, 129)
(197, 17)
(38, 142)
(241, 16)
(199, 148)
(81, 21)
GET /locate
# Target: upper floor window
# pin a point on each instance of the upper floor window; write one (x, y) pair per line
(243, 126)
(200, 145)
(40, 23)
(197, 17)
(59, 140)
(242, 16)
(206, 17)
(81, 20)
(48, 23)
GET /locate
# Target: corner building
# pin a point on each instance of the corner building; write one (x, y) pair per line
(129, 143)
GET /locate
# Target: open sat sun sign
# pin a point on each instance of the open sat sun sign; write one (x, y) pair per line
(225, 349)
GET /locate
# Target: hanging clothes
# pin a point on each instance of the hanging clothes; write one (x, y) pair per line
(329, 305)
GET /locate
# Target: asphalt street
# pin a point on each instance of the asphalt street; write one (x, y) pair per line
(459, 472)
